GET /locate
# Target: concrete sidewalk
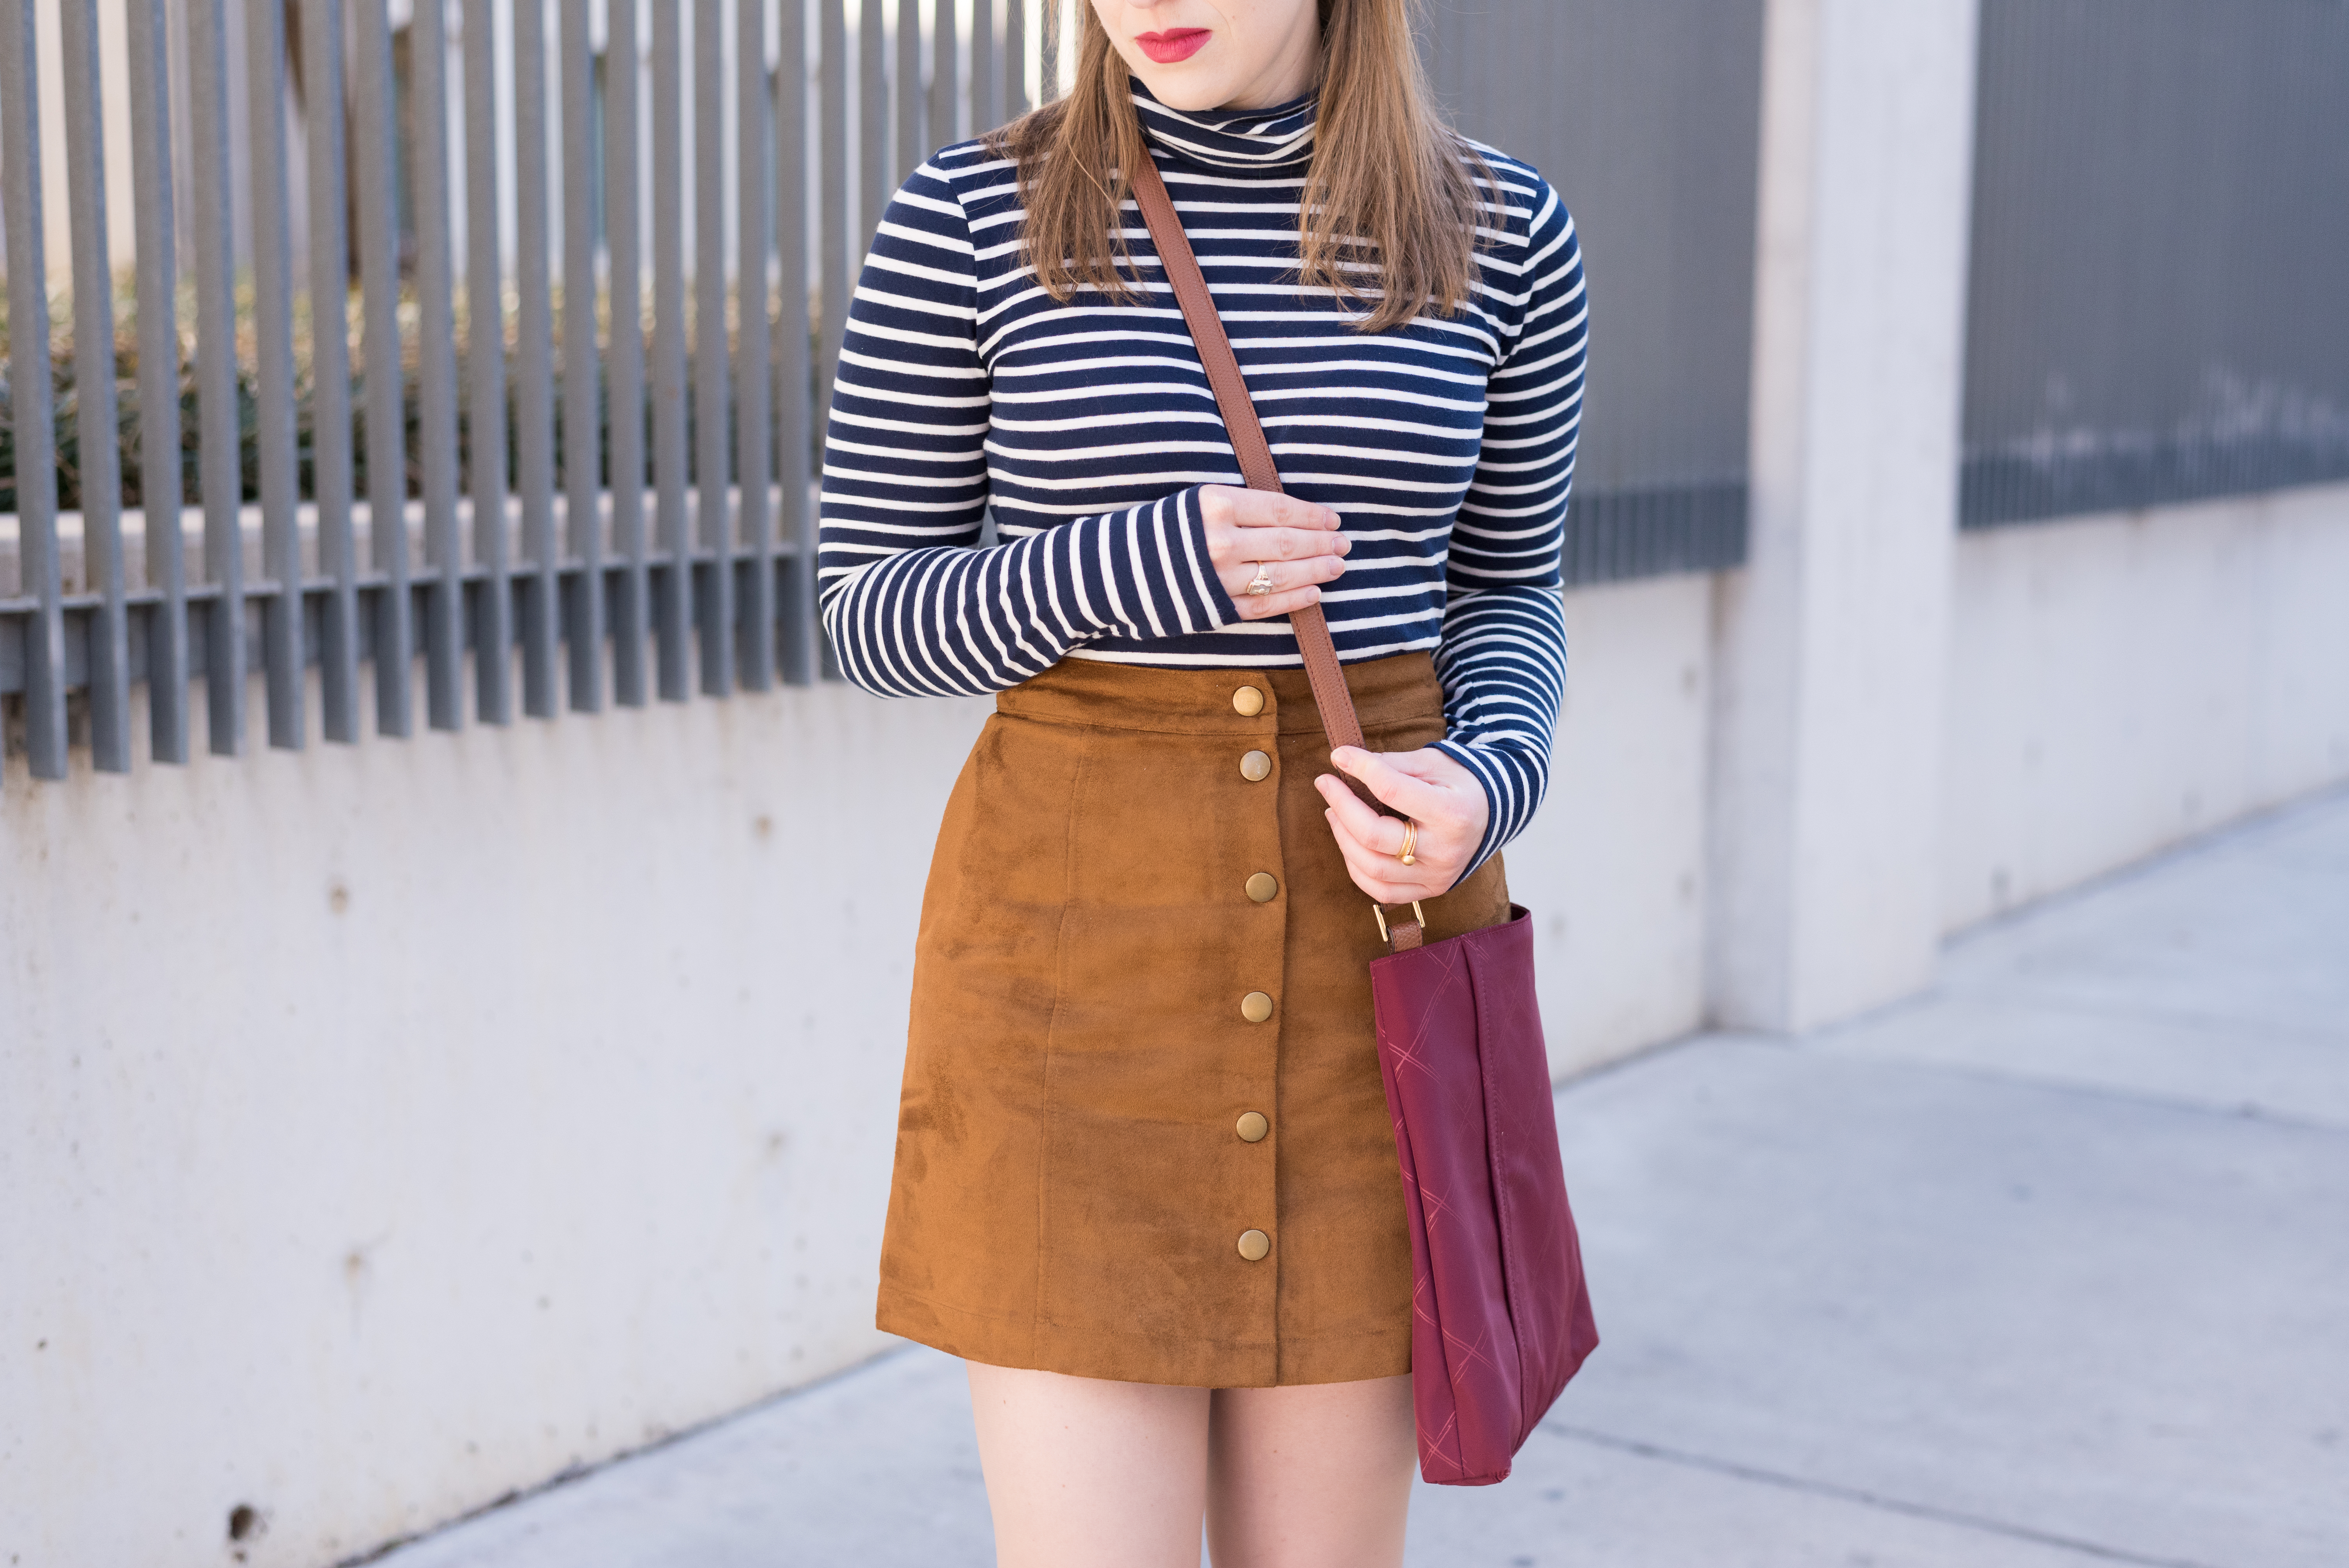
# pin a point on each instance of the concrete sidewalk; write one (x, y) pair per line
(2050, 1268)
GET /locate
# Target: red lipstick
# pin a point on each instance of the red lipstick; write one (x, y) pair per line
(1175, 45)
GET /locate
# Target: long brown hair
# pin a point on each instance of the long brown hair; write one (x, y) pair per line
(1389, 216)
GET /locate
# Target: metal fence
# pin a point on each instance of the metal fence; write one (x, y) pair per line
(1645, 115)
(477, 499)
(583, 236)
(482, 500)
(2160, 271)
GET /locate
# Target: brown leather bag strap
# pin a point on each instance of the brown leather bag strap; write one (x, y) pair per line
(1182, 268)
(1339, 720)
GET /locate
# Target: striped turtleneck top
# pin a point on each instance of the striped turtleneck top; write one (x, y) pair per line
(1445, 446)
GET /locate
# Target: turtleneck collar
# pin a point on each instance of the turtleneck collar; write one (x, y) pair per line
(1279, 140)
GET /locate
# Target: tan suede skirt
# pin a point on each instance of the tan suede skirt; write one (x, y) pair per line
(1141, 1135)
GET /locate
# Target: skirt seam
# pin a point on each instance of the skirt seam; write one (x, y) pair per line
(1051, 1028)
(1218, 731)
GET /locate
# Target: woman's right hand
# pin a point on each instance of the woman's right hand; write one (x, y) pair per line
(1298, 540)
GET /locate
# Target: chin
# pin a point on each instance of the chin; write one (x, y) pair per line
(1183, 88)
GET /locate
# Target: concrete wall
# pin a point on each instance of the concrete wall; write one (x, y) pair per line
(385, 1128)
(2120, 683)
(1614, 865)
(1823, 816)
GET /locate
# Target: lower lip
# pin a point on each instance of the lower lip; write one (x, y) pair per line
(1170, 48)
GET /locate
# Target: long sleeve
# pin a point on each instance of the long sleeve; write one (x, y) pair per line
(913, 607)
(1502, 658)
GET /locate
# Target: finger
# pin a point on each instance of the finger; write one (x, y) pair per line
(1276, 543)
(1266, 606)
(1364, 826)
(1286, 576)
(1387, 880)
(1272, 509)
(1436, 859)
(1375, 854)
(1440, 849)
(1411, 795)
(1467, 809)
(1360, 819)
(1425, 877)
(1219, 502)
(1232, 552)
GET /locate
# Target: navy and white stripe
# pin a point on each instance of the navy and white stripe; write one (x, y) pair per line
(1446, 446)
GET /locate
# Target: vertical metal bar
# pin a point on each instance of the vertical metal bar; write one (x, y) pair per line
(583, 435)
(795, 518)
(95, 408)
(436, 369)
(754, 350)
(32, 404)
(221, 466)
(535, 366)
(674, 612)
(632, 613)
(944, 55)
(873, 120)
(1047, 54)
(908, 86)
(1015, 58)
(272, 308)
(375, 128)
(485, 351)
(832, 136)
(715, 600)
(159, 483)
(330, 365)
(985, 86)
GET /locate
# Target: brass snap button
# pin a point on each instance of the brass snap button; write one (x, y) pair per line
(1253, 1128)
(1264, 887)
(1256, 766)
(1247, 702)
(1255, 1007)
(1254, 1245)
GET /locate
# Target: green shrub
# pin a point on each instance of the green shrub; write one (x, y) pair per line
(127, 423)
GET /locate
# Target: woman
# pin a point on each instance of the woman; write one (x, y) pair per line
(1145, 1179)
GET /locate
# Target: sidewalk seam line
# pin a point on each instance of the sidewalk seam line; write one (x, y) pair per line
(2080, 1089)
(1867, 1498)
(2026, 995)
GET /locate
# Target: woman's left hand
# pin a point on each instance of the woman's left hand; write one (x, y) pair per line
(1434, 792)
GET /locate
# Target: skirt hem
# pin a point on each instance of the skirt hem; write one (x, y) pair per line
(993, 1341)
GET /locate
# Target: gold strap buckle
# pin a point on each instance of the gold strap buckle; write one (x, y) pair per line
(1381, 911)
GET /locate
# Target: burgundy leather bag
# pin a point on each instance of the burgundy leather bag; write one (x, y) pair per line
(1500, 1311)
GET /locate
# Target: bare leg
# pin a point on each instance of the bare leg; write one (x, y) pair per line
(1316, 1476)
(1085, 1473)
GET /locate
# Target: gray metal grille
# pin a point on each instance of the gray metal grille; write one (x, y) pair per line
(575, 244)
(513, 480)
(2160, 283)
(1645, 115)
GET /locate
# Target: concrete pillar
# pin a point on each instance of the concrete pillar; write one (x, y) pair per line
(1831, 644)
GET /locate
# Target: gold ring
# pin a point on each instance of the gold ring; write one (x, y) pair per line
(1409, 855)
(1261, 583)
